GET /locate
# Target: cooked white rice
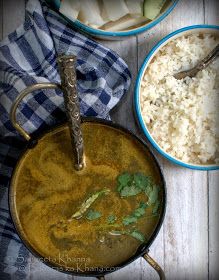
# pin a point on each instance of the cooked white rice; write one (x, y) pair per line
(182, 115)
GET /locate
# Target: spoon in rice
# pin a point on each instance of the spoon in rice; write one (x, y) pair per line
(200, 66)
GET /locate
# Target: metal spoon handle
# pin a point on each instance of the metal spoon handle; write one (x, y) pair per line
(200, 66)
(67, 72)
(208, 59)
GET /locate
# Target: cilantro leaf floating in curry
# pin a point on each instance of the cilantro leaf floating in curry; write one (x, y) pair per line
(82, 214)
(137, 213)
(93, 215)
(133, 184)
(156, 207)
(137, 235)
(128, 186)
(153, 195)
(129, 220)
(140, 211)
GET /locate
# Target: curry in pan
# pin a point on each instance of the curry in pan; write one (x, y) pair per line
(101, 214)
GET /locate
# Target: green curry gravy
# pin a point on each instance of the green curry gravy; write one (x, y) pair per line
(48, 191)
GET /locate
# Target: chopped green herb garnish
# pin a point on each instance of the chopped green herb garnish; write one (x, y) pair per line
(124, 179)
(126, 185)
(156, 207)
(153, 195)
(93, 215)
(138, 212)
(129, 220)
(111, 219)
(142, 181)
(143, 205)
(148, 189)
(137, 235)
(133, 184)
(129, 190)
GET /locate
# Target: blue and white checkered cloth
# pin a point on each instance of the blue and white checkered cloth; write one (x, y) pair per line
(28, 56)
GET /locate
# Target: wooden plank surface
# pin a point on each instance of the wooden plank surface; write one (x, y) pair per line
(212, 17)
(187, 245)
(186, 220)
(213, 225)
(127, 49)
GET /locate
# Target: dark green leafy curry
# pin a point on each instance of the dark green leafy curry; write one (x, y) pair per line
(98, 216)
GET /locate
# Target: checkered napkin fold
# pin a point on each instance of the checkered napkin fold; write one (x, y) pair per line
(27, 56)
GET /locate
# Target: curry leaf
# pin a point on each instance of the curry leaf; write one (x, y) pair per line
(87, 203)
(93, 215)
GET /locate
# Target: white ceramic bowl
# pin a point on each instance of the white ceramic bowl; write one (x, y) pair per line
(98, 33)
(178, 33)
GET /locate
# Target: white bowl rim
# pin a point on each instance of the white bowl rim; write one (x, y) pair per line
(145, 63)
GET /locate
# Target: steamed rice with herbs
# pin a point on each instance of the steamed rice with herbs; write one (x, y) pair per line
(182, 115)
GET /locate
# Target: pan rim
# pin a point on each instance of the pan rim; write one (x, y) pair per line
(142, 249)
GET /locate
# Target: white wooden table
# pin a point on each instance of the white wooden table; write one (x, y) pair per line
(187, 246)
